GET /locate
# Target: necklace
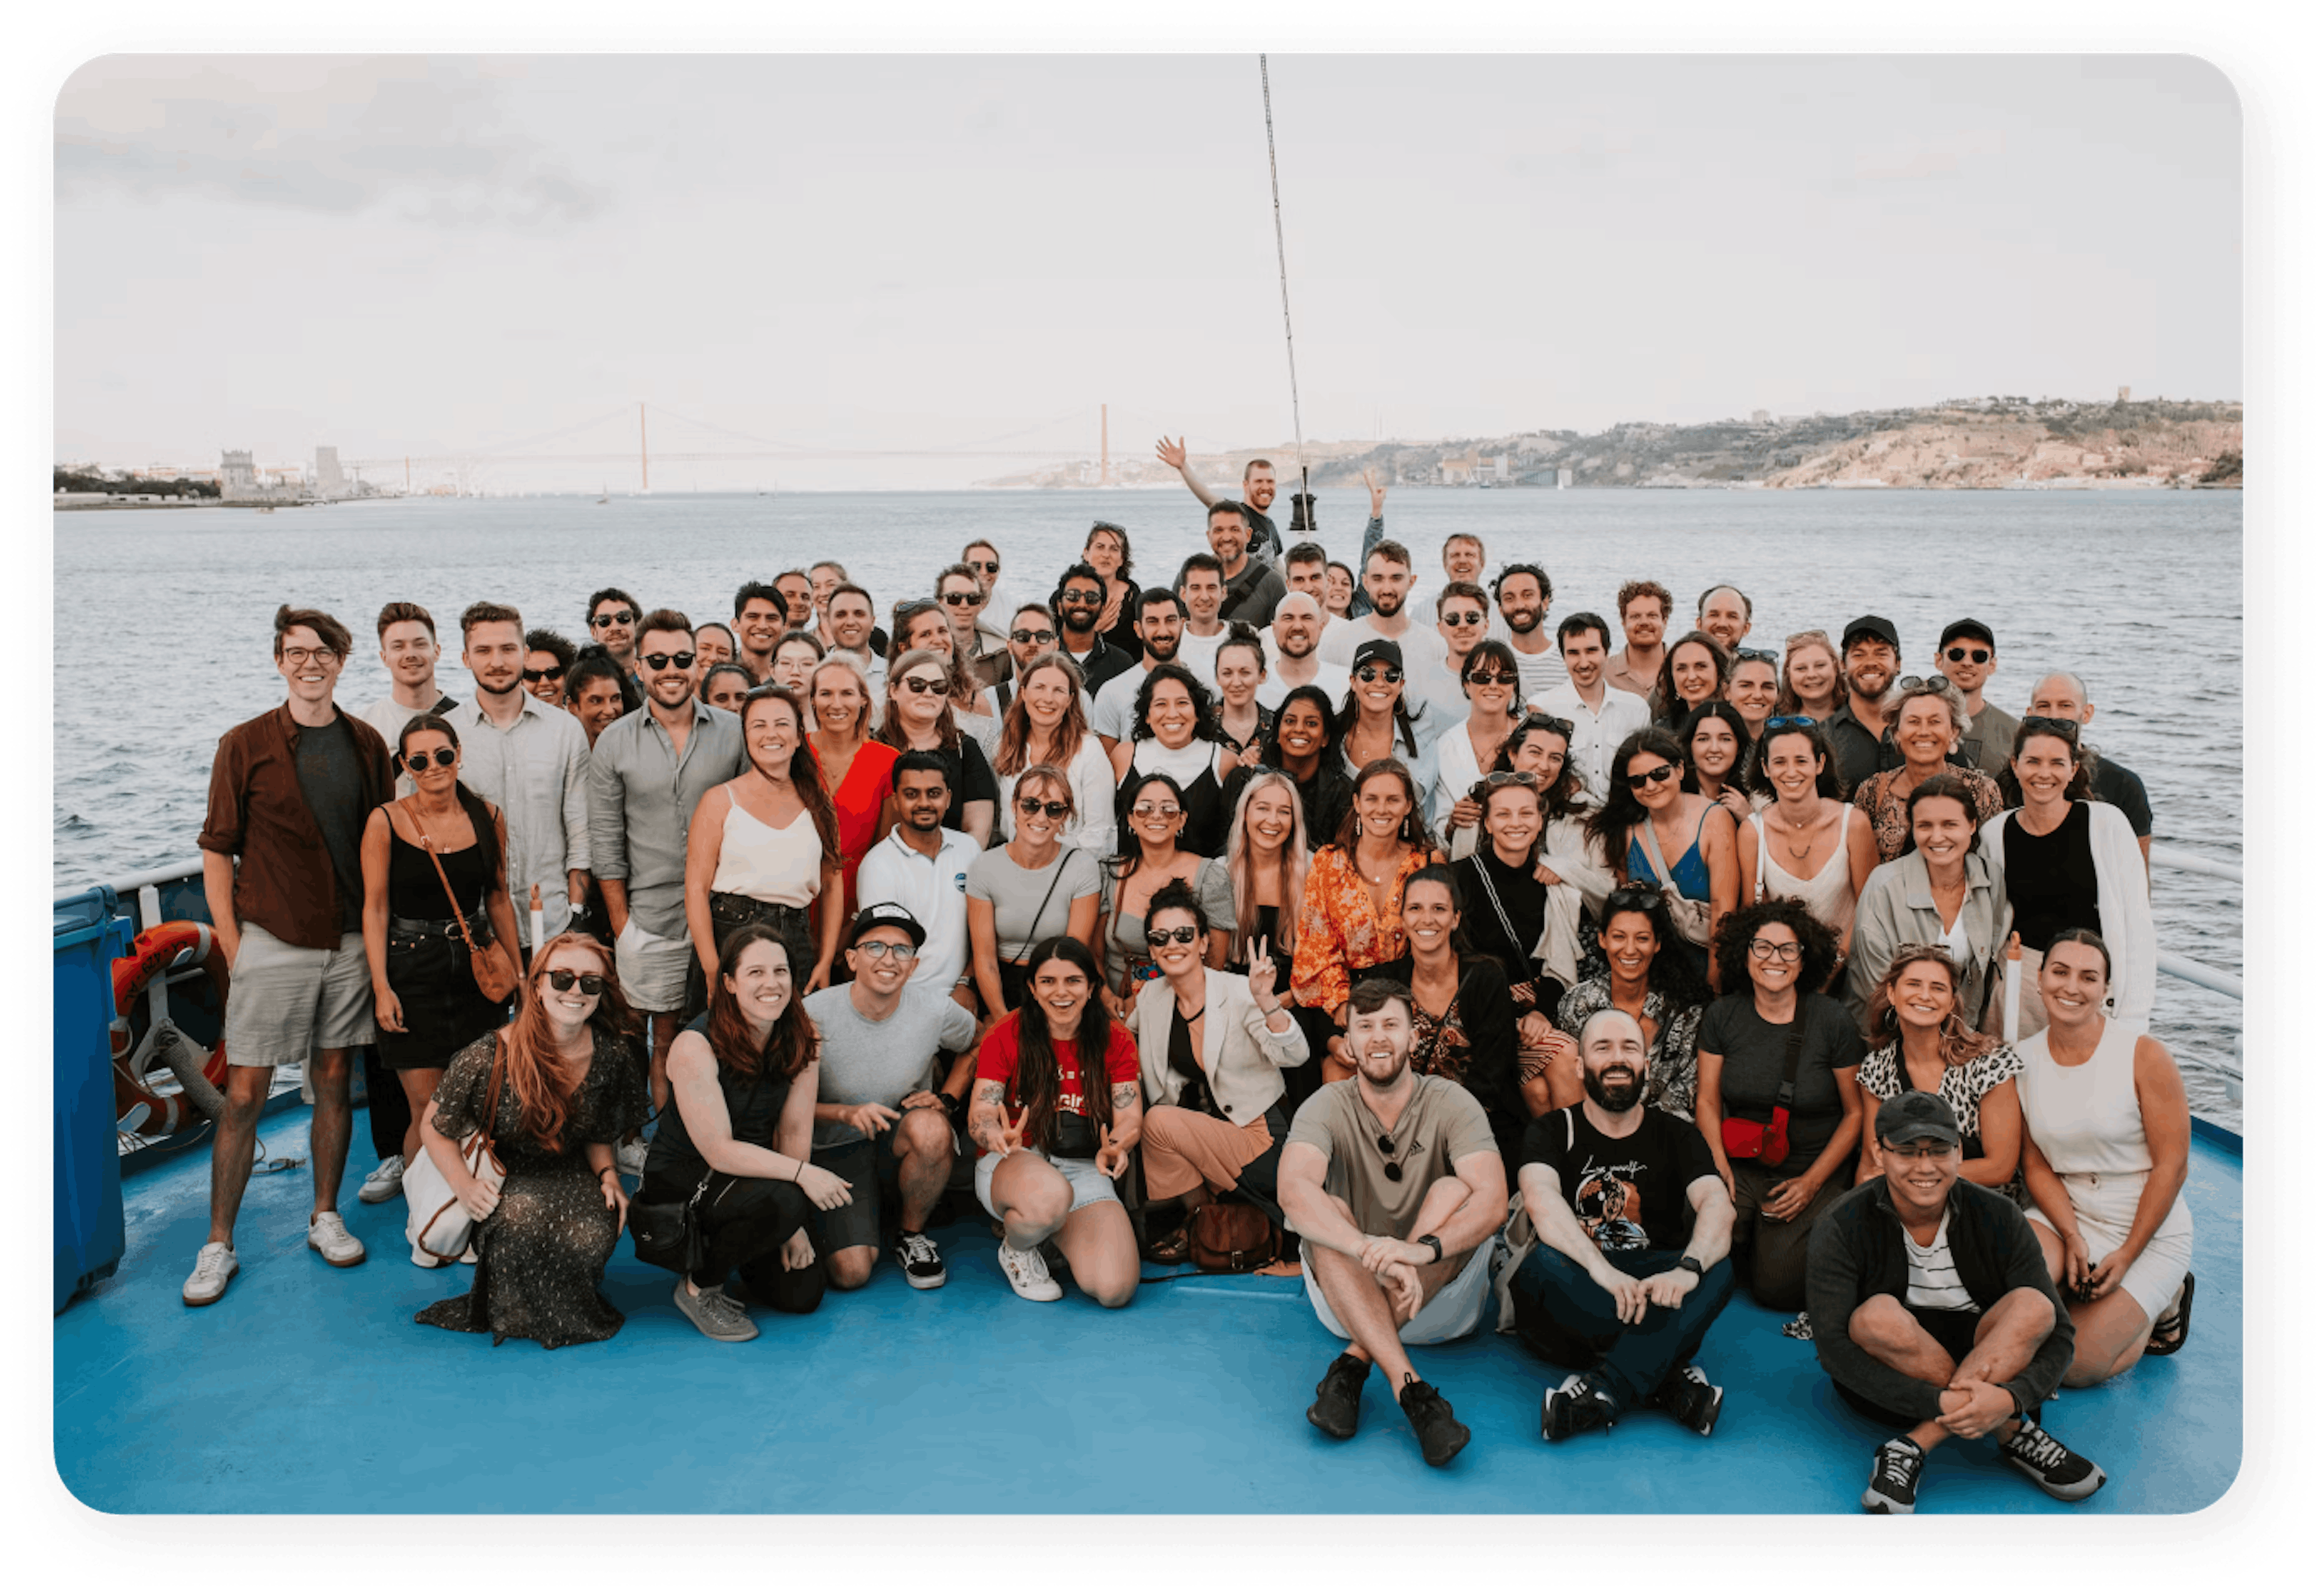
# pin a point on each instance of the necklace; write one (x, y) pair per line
(1798, 854)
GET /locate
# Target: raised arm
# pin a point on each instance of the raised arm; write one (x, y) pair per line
(1173, 455)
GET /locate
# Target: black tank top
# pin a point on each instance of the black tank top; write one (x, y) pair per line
(754, 1108)
(2053, 880)
(413, 892)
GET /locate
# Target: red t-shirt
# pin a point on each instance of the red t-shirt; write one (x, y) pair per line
(996, 1061)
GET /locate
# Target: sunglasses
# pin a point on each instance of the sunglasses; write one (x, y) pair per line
(1494, 678)
(1762, 656)
(1027, 635)
(1632, 900)
(1957, 655)
(1647, 778)
(1054, 808)
(1464, 617)
(1394, 1169)
(553, 674)
(1790, 723)
(1162, 939)
(1537, 722)
(591, 985)
(1388, 674)
(921, 684)
(662, 662)
(989, 567)
(613, 618)
(956, 599)
(1081, 595)
(1510, 778)
(446, 757)
(1146, 812)
(2068, 729)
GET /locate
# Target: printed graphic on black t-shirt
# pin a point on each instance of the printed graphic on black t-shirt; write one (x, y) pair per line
(1606, 1199)
(1628, 1192)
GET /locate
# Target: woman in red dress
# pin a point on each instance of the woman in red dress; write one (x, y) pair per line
(854, 769)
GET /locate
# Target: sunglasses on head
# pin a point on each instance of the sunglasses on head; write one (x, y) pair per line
(613, 618)
(1537, 722)
(446, 757)
(1790, 723)
(684, 660)
(957, 599)
(2068, 730)
(1956, 654)
(1763, 655)
(1388, 674)
(1028, 635)
(1510, 778)
(1646, 778)
(1053, 808)
(591, 985)
(553, 674)
(1162, 939)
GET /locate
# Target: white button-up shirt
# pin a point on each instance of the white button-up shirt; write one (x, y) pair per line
(935, 890)
(536, 770)
(1596, 733)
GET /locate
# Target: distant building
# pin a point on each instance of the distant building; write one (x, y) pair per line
(329, 481)
(236, 473)
(1760, 418)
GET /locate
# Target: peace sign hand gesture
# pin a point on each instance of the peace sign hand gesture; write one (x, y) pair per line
(1379, 493)
(1261, 972)
(1010, 1136)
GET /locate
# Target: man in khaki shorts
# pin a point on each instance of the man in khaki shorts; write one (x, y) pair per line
(289, 792)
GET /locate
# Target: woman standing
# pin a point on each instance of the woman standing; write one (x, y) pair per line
(1775, 1091)
(854, 769)
(1172, 734)
(2107, 1133)
(1754, 688)
(1046, 724)
(1463, 1026)
(1239, 668)
(1035, 887)
(1652, 830)
(923, 625)
(1347, 920)
(1469, 749)
(423, 987)
(1155, 818)
(1693, 672)
(1375, 723)
(919, 715)
(1922, 1041)
(1303, 744)
(1717, 744)
(1649, 980)
(1213, 1051)
(2070, 860)
(1928, 717)
(795, 657)
(1945, 891)
(743, 1078)
(1806, 844)
(1810, 676)
(553, 1090)
(1106, 552)
(763, 847)
(1056, 1112)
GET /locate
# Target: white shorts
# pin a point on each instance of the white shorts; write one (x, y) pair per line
(2104, 1207)
(1089, 1183)
(651, 969)
(1458, 1308)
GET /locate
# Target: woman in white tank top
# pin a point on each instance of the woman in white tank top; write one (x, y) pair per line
(2107, 1130)
(1806, 844)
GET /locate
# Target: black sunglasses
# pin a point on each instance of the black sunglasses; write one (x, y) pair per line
(922, 684)
(591, 985)
(552, 674)
(662, 662)
(1535, 720)
(1484, 678)
(1027, 635)
(1644, 779)
(446, 757)
(1052, 808)
(989, 567)
(1394, 1169)
(1388, 674)
(1081, 595)
(1763, 655)
(1160, 939)
(2068, 730)
(956, 599)
(613, 618)
(1958, 655)
(1464, 617)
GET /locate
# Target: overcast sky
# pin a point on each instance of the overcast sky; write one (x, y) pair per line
(438, 255)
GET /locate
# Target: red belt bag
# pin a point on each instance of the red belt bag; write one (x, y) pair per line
(1770, 1142)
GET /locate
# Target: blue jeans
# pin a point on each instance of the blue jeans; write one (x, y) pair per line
(1570, 1319)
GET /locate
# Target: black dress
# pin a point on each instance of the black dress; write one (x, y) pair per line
(429, 972)
(541, 1254)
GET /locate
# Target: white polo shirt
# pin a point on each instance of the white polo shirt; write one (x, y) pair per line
(935, 890)
(1596, 733)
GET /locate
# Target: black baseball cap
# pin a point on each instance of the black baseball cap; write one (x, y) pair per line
(1968, 628)
(1916, 1117)
(872, 916)
(1875, 625)
(1376, 648)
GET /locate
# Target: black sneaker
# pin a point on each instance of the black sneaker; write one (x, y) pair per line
(1339, 1396)
(1579, 1404)
(1441, 1436)
(1689, 1396)
(1895, 1468)
(916, 1256)
(2051, 1464)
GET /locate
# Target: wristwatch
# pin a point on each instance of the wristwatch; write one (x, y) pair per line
(1434, 1244)
(950, 1103)
(1688, 1263)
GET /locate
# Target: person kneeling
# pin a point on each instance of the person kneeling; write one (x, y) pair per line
(1934, 1313)
(1632, 1269)
(742, 1079)
(1054, 1140)
(1397, 1249)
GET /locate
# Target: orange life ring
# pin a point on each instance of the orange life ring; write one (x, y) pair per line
(175, 945)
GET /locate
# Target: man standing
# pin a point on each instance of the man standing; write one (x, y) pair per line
(1461, 622)
(1257, 493)
(408, 648)
(759, 614)
(982, 650)
(1387, 582)
(1393, 1184)
(1161, 621)
(1079, 600)
(876, 1123)
(1306, 570)
(828, 580)
(648, 771)
(1201, 586)
(1251, 587)
(797, 590)
(1601, 715)
(533, 762)
(2063, 696)
(613, 627)
(1521, 593)
(922, 867)
(290, 793)
(1298, 629)
(1867, 656)
(1724, 612)
(1644, 608)
(848, 618)
(1031, 633)
(1967, 655)
(1630, 1269)
(1934, 1314)
(983, 558)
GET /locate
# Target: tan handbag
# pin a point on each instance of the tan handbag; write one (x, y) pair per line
(494, 971)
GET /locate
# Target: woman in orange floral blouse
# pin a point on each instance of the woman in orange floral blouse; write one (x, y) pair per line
(1347, 919)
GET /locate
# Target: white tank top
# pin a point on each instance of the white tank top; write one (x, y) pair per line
(773, 863)
(2085, 1115)
(1829, 893)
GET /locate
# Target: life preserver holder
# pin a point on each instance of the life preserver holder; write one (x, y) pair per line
(173, 945)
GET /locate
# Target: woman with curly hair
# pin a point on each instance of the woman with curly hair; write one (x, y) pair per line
(1922, 1041)
(1649, 980)
(1172, 733)
(1652, 831)
(1775, 1090)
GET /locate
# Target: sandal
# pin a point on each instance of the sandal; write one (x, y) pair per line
(1176, 1247)
(2170, 1330)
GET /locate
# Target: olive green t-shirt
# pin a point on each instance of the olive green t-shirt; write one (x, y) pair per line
(1441, 1124)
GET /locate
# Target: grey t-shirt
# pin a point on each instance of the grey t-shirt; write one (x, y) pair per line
(1442, 1125)
(1015, 895)
(330, 778)
(886, 1061)
(1116, 706)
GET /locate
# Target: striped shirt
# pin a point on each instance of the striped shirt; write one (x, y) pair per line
(1932, 1281)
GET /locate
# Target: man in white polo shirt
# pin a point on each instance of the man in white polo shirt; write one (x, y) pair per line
(922, 867)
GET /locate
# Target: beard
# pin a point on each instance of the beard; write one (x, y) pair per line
(1390, 603)
(1612, 1099)
(1081, 620)
(1163, 653)
(1870, 680)
(1524, 623)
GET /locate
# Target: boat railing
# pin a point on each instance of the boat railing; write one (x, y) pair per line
(2178, 964)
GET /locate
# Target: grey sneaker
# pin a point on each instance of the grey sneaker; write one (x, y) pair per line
(385, 1182)
(1895, 1468)
(714, 1314)
(327, 1234)
(2050, 1464)
(214, 1266)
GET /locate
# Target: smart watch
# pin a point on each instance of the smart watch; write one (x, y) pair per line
(1436, 1244)
(1688, 1263)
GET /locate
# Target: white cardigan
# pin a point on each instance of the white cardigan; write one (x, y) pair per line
(2124, 904)
(1246, 1078)
(1091, 775)
(1582, 879)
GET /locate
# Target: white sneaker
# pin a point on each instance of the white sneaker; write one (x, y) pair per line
(424, 1258)
(629, 1159)
(1028, 1275)
(327, 1234)
(385, 1182)
(213, 1268)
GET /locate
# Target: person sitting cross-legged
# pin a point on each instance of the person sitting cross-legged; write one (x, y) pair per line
(1394, 1183)
(1934, 1313)
(1630, 1269)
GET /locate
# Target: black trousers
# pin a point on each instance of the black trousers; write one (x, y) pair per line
(745, 1224)
(391, 1115)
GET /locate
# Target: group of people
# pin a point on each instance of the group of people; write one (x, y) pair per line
(1524, 982)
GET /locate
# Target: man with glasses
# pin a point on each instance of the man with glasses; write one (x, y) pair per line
(1869, 651)
(1723, 612)
(982, 558)
(760, 617)
(548, 656)
(1252, 586)
(1393, 1184)
(1967, 655)
(648, 771)
(1601, 714)
(1521, 593)
(981, 649)
(290, 793)
(613, 627)
(878, 1125)
(922, 865)
(1462, 619)
(1934, 1315)
(1628, 1269)
(1160, 622)
(1031, 633)
(1078, 603)
(1292, 662)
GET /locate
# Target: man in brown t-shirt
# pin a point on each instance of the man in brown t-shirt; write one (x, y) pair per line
(1394, 1185)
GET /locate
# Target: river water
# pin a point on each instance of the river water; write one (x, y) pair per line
(2139, 592)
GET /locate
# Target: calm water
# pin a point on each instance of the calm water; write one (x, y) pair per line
(2102, 583)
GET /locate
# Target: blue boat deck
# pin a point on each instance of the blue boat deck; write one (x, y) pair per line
(309, 1389)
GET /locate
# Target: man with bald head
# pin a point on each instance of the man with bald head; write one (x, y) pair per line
(1629, 1268)
(2061, 695)
(1724, 612)
(1298, 621)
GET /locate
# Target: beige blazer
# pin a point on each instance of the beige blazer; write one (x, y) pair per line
(1243, 1059)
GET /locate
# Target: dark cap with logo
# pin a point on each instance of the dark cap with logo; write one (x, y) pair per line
(1871, 625)
(1968, 628)
(1917, 1116)
(1377, 648)
(872, 916)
